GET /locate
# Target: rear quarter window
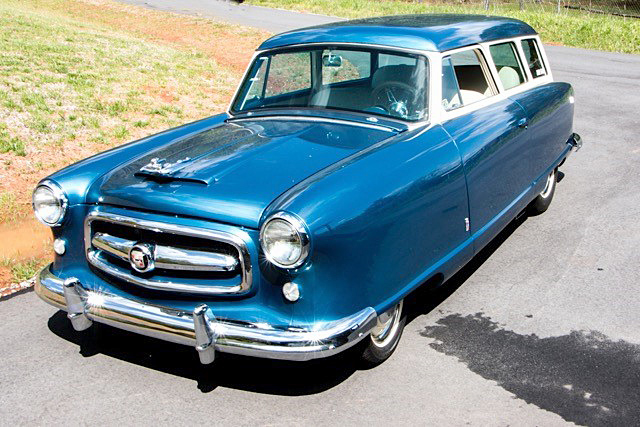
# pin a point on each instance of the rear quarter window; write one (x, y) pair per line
(533, 58)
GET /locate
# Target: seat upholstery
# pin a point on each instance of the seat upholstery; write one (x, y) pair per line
(397, 73)
(354, 98)
(470, 96)
(509, 77)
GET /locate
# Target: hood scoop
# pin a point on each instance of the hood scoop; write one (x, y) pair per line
(162, 171)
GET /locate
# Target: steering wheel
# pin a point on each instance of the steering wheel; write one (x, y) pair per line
(396, 98)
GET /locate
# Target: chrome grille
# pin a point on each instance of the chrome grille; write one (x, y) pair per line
(187, 259)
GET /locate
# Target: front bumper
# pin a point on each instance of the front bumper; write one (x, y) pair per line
(200, 328)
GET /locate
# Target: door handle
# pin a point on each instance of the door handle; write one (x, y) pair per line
(523, 123)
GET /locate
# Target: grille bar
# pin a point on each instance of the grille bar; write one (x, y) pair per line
(168, 257)
(98, 245)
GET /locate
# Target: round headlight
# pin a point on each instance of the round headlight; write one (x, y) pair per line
(284, 240)
(49, 203)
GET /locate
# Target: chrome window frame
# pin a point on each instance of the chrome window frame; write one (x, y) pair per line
(519, 57)
(444, 115)
(545, 65)
(203, 233)
(486, 70)
(429, 55)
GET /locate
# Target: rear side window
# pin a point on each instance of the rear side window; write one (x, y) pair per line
(510, 71)
(464, 79)
(533, 58)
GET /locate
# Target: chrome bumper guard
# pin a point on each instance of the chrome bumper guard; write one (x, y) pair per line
(575, 141)
(200, 328)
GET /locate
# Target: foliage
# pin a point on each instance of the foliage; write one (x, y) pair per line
(570, 28)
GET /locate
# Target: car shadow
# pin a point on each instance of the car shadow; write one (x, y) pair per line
(229, 371)
(253, 374)
(434, 292)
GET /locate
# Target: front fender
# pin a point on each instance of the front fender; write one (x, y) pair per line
(381, 224)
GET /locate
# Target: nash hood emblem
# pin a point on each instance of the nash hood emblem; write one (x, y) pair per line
(142, 257)
(158, 166)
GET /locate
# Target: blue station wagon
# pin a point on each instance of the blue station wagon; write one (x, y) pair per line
(357, 161)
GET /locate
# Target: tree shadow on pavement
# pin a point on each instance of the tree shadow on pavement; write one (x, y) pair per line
(584, 377)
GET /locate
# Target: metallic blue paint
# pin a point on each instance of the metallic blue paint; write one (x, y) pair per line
(385, 206)
(235, 169)
(420, 32)
(382, 221)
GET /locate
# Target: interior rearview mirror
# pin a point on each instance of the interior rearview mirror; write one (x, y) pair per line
(331, 60)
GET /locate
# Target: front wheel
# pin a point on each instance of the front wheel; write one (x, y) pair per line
(384, 337)
(542, 201)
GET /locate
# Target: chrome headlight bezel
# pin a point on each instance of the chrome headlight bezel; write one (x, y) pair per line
(299, 227)
(59, 194)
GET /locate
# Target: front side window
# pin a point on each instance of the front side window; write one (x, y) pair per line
(288, 72)
(464, 79)
(505, 57)
(366, 80)
(533, 57)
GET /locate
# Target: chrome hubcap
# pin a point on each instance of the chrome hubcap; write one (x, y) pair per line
(550, 181)
(387, 326)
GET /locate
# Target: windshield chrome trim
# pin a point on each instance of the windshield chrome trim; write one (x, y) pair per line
(427, 54)
(295, 117)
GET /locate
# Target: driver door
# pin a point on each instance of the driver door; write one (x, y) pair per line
(491, 140)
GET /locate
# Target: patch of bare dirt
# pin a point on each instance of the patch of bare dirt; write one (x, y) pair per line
(230, 45)
(227, 45)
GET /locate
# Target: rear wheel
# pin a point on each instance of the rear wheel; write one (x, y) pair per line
(542, 201)
(384, 337)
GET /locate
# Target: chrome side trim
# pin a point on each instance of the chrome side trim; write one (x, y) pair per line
(167, 257)
(268, 341)
(94, 258)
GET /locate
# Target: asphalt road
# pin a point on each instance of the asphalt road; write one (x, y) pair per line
(542, 328)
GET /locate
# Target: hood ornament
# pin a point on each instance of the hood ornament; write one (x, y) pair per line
(158, 166)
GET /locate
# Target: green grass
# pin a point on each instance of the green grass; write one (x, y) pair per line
(8, 205)
(10, 143)
(24, 269)
(570, 28)
(62, 77)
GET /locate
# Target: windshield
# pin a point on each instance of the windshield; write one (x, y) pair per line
(372, 81)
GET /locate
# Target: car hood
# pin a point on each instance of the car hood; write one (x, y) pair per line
(233, 171)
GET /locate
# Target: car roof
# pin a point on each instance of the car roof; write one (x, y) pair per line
(432, 32)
